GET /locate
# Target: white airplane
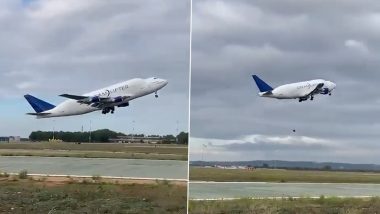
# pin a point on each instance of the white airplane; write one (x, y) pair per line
(105, 99)
(300, 90)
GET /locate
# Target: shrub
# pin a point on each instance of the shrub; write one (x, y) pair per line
(96, 177)
(23, 174)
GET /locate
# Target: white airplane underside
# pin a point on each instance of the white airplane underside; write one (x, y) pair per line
(302, 90)
(106, 99)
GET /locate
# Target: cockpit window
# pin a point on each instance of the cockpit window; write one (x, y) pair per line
(154, 78)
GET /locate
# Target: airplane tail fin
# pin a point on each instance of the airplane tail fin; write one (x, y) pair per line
(263, 87)
(37, 104)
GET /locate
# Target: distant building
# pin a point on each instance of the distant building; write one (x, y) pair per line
(137, 139)
(14, 139)
(10, 139)
(4, 139)
(55, 140)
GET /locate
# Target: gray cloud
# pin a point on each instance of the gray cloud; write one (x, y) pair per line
(300, 148)
(284, 42)
(270, 145)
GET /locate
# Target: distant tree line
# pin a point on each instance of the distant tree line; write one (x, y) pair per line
(326, 167)
(102, 135)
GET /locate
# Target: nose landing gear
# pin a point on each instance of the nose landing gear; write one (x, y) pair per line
(155, 94)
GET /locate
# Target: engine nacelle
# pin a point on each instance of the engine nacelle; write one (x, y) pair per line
(118, 99)
(123, 104)
(95, 99)
(325, 91)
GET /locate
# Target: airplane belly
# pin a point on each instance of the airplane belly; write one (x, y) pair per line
(284, 93)
(71, 108)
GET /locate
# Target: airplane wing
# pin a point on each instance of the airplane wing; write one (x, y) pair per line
(95, 101)
(74, 97)
(315, 90)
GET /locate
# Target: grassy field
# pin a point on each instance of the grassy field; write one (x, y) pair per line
(95, 150)
(287, 206)
(277, 175)
(29, 196)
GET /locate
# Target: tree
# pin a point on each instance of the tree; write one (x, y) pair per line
(326, 167)
(102, 135)
(168, 139)
(183, 138)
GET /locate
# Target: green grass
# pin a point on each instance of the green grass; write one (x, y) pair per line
(95, 150)
(276, 175)
(288, 206)
(26, 196)
(110, 147)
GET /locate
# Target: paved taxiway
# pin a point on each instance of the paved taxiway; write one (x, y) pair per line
(220, 190)
(135, 168)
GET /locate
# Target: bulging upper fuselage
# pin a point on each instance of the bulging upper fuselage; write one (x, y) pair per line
(129, 90)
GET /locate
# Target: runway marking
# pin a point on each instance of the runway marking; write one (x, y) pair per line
(275, 198)
(60, 157)
(248, 182)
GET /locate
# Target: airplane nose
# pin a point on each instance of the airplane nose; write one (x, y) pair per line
(164, 82)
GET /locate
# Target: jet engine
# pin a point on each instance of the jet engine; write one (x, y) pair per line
(123, 104)
(118, 99)
(95, 99)
(325, 91)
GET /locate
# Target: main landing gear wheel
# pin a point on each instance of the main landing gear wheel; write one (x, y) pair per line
(108, 110)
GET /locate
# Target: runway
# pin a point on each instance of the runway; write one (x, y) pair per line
(227, 190)
(131, 168)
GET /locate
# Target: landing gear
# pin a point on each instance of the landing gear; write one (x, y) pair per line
(155, 94)
(311, 98)
(329, 94)
(108, 110)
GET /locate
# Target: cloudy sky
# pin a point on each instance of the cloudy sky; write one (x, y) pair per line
(283, 42)
(66, 46)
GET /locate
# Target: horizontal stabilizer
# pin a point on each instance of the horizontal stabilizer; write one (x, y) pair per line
(38, 114)
(266, 93)
(37, 104)
(263, 86)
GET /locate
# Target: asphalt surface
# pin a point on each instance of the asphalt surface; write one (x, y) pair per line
(132, 168)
